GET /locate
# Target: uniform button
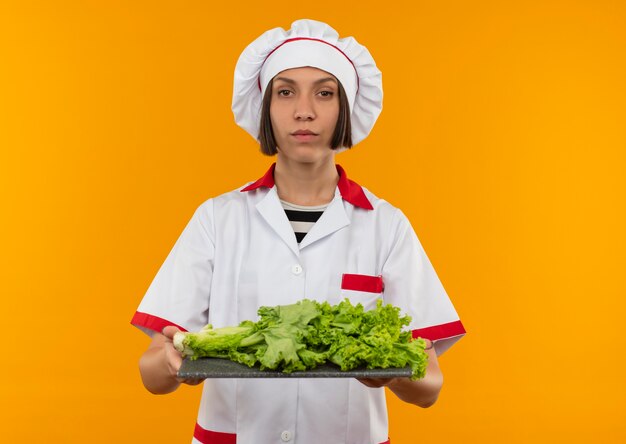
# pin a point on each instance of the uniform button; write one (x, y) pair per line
(296, 269)
(285, 436)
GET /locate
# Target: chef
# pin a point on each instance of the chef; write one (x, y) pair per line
(302, 230)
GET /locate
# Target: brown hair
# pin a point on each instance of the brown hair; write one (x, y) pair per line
(342, 137)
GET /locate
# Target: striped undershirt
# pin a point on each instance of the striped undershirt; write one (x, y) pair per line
(302, 218)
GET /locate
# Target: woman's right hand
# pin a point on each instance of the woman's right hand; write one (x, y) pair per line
(173, 357)
(160, 363)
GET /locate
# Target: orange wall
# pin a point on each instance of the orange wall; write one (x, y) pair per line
(502, 138)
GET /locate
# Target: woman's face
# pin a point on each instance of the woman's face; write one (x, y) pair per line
(304, 111)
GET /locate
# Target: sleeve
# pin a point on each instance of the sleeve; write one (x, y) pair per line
(412, 284)
(179, 294)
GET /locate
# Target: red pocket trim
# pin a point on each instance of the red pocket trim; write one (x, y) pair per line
(362, 282)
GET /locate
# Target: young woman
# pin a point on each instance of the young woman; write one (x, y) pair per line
(303, 230)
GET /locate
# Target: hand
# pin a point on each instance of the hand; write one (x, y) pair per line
(387, 382)
(173, 357)
(377, 382)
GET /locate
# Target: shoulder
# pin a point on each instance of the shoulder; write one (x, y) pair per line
(234, 200)
(384, 211)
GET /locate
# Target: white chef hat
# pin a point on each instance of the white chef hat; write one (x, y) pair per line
(315, 44)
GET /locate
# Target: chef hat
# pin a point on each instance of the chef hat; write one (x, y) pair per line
(315, 44)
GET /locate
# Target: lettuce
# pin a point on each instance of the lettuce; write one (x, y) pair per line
(303, 335)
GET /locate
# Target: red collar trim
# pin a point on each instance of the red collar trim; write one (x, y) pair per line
(266, 181)
(350, 191)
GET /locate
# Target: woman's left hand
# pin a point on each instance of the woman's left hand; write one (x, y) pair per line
(376, 382)
(422, 392)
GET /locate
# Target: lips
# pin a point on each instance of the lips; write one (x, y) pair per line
(304, 136)
(304, 133)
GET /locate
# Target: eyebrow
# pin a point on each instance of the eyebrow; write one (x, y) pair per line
(318, 81)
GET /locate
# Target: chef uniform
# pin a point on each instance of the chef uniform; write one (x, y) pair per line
(239, 252)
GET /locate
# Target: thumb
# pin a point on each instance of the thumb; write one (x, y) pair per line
(170, 331)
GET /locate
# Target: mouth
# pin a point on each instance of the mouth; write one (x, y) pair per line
(304, 135)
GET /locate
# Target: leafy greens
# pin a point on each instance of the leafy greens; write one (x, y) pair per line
(303, 335)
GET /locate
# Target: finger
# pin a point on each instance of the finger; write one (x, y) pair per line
(367, 382)
(174, 359)
(191, 381)
(376, 382)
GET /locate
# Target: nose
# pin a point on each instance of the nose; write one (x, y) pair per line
(304, 108)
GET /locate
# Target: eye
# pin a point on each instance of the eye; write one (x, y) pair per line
(326, 93)
(284, 92)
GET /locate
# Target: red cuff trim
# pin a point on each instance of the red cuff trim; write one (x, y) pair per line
(152, 322)
(442, 331)
(210, 437)
(362, 282)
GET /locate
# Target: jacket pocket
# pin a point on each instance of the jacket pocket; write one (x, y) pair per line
(362, 288)
(362, 282)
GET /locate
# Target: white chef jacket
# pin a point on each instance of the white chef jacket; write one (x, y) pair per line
(239, 252)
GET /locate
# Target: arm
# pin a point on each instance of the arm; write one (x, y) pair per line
(160, 363)
(423, 392)
(179, 295)
(412, 284)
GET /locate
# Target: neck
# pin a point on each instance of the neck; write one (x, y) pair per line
(306, 183)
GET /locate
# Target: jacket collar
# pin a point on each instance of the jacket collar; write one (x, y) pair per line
(350, 191)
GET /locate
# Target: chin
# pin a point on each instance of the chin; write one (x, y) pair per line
(306, 154)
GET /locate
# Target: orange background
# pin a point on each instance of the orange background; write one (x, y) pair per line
(503, 138)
